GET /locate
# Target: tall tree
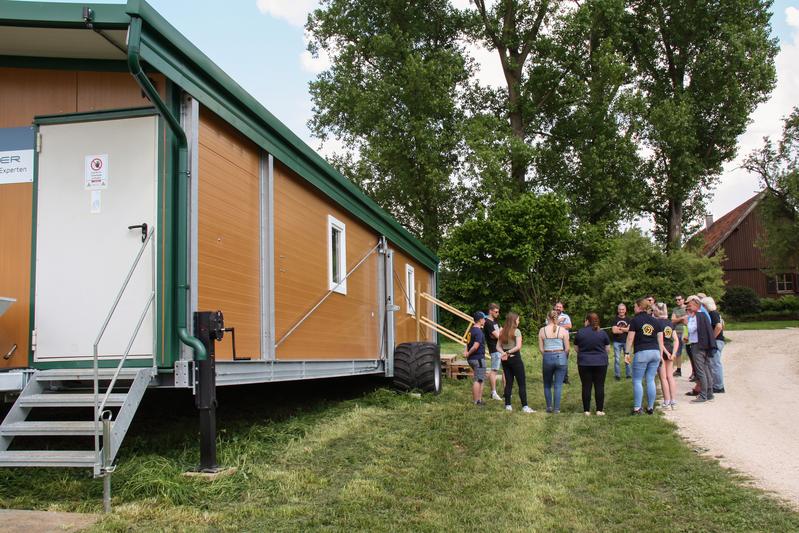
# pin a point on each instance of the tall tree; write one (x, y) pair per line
(520, 33)
(391, 97)
(778, 170)
(702, 67)
(590, 154)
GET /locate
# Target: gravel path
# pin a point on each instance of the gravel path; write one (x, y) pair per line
(14, 521)
(754, 427)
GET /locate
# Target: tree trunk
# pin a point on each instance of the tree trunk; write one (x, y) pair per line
(518, 161)
(674, 235)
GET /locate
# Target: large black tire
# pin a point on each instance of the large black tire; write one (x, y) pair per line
(417, 365)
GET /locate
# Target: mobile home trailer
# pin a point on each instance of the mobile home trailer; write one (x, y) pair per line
(140, 189)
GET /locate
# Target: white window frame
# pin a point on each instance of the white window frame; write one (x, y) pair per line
(784, 284)
(410, 297)
(333, 285)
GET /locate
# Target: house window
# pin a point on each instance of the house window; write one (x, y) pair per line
(410, 283)
(336, 255)
(784, 283)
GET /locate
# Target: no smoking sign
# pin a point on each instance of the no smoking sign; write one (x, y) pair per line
(95, 172)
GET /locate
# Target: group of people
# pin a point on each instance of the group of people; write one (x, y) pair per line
(649, 343)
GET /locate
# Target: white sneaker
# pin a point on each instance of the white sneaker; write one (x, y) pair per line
(495, 396)
(509, 408)
(528, 409)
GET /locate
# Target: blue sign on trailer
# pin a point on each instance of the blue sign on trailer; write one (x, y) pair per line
(16, 155)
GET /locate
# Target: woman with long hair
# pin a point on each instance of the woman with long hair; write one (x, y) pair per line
(645, 339)
(553, 341)
(510, 349)
(671, 345)
(593, 347)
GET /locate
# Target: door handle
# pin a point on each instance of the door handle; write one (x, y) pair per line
(143, 227)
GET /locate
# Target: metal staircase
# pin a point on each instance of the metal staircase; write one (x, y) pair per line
(76, 406)
(66, 400)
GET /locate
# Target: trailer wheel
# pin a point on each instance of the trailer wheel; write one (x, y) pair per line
(417, 365)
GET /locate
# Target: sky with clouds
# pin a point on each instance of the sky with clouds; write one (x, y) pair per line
(262, 45)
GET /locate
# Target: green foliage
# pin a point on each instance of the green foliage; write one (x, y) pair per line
(787, 304)
(739, 301)
(391, 97)
(590, 154)
(702, 68)
(519, 254)
(634, 267)
(778, 170)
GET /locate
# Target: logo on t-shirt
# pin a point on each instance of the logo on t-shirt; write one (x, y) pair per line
(667, 331)
(648, 329)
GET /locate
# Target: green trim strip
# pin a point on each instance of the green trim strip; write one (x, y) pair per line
(32, 281)
(102, 363)
(60, 15)
(95, 116)
(66, 63)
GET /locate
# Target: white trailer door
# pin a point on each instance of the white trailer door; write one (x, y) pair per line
(84, 248)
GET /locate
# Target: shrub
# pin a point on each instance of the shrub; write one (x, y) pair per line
(740, 301)
(788, 304)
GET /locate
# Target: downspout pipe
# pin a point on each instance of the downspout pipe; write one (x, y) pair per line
(182, 286)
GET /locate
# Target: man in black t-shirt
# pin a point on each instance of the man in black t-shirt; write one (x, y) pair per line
(491, 334)
(621, 325)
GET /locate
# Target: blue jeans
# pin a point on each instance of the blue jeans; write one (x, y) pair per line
(618, 355)
(554, 370)
(645, 363)
(716, 367)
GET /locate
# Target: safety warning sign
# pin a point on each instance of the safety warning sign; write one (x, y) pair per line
(96, 172)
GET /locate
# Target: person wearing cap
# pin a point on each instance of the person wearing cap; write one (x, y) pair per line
(702, 339)
(476, 356)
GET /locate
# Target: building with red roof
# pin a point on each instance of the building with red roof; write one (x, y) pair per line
(737, 234)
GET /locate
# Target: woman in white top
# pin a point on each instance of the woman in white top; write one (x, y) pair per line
(553, 341)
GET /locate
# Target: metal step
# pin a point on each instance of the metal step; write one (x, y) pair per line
(65, 399)
(84, 374)
(48, 428)
(45, 458)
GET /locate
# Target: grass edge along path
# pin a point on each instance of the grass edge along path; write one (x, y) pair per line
(396, 462)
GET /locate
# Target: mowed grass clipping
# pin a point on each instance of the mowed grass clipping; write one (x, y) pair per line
(374, 460)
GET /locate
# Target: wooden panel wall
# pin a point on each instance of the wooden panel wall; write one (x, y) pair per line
(405, 324)
(741, 246)
(345, 326)
(24, 94)
(229, 233)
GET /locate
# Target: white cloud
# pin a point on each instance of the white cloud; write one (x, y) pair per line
(737, 185)
(314, 65)
(792, 16)
(295, 12)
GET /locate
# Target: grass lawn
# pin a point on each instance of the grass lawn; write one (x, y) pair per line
(372, 460)
(772, 324)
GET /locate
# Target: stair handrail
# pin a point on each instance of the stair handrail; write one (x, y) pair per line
(98, 413)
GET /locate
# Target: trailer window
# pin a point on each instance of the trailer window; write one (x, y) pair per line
(410, 283)
(337, 255)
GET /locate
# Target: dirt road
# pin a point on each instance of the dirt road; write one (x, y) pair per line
(754, 426)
